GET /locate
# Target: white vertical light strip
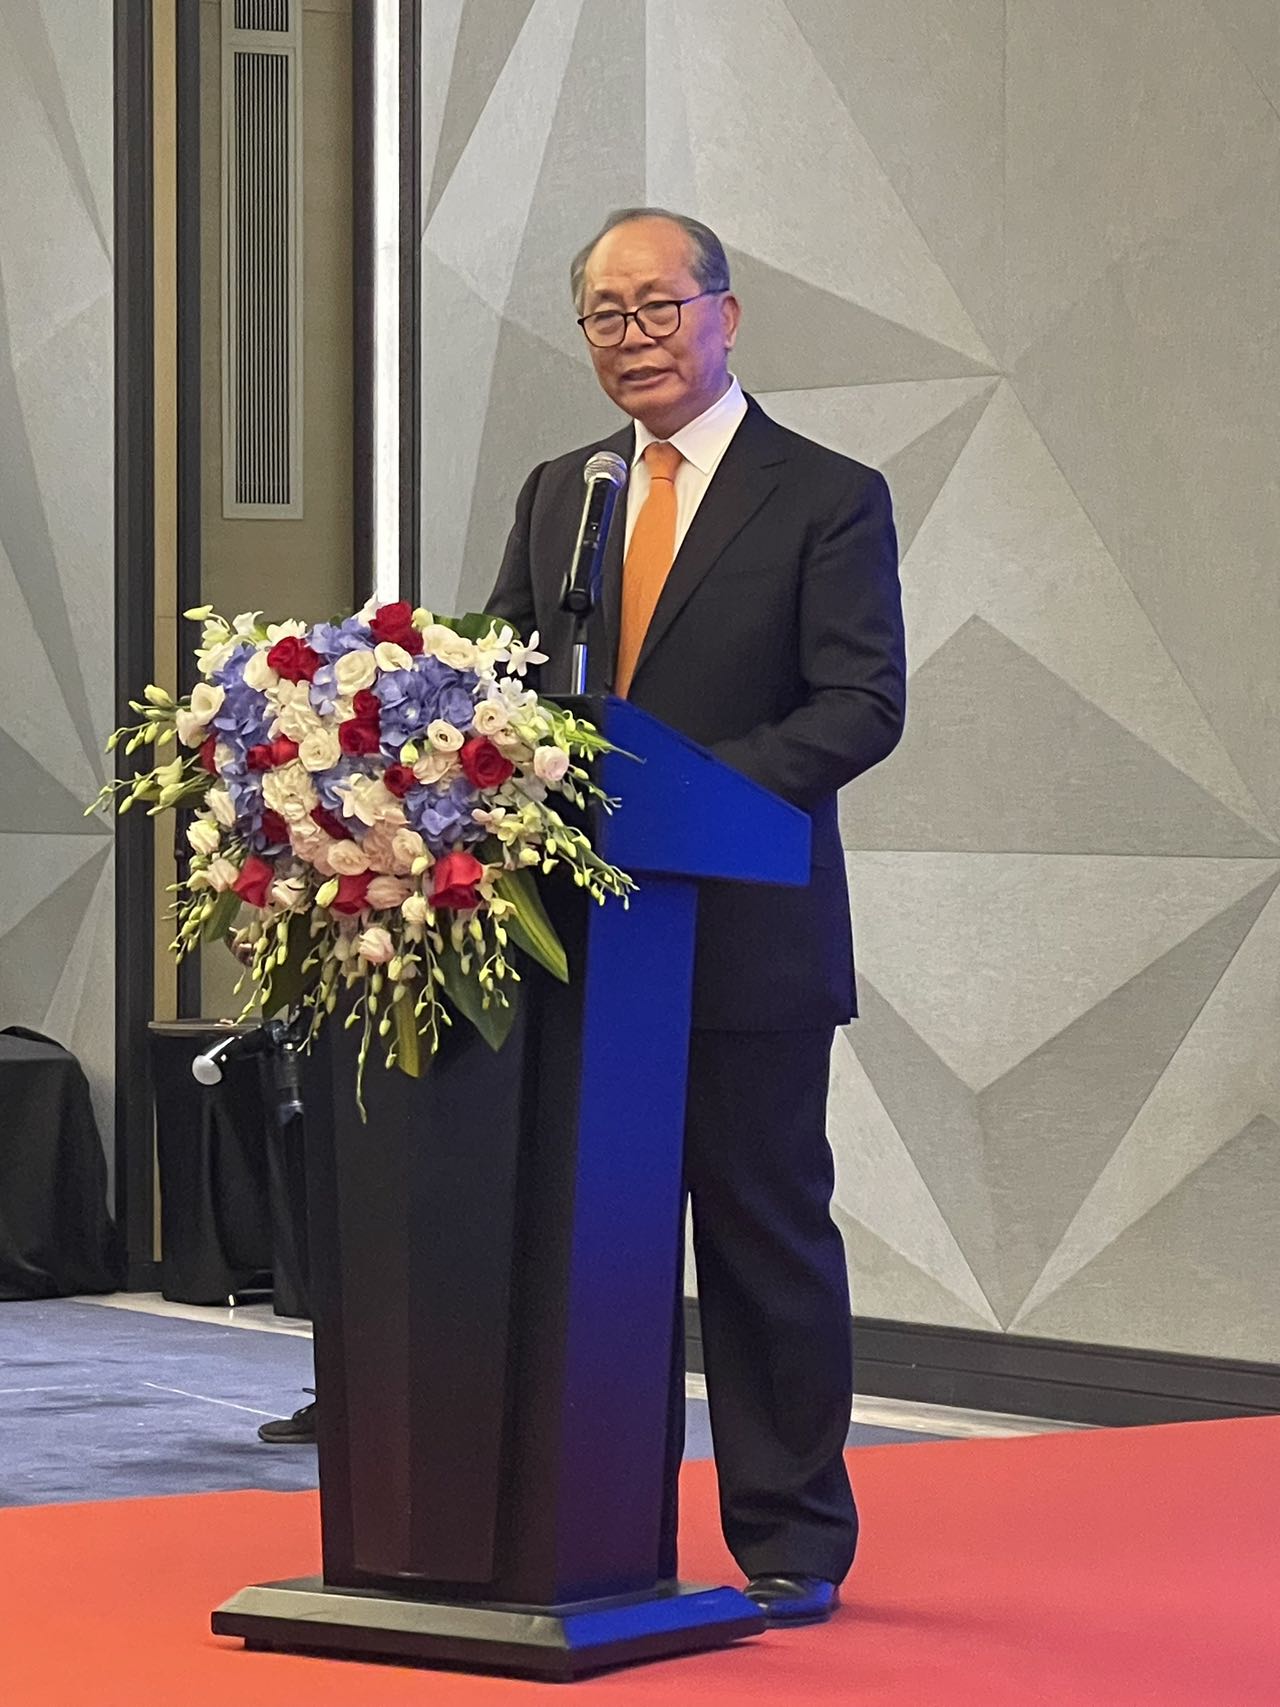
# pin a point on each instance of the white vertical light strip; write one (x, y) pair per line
(386, 299)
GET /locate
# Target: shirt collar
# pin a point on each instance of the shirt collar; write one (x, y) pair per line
(703, 441)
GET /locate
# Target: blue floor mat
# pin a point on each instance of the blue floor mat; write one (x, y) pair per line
(99, 1403)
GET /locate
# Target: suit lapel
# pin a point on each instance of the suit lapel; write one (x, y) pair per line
(744, 481)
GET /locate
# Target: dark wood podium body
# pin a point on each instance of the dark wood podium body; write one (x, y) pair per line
(495, 1269)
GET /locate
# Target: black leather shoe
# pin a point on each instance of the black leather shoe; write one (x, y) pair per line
(297, 1430)
(786, 1601)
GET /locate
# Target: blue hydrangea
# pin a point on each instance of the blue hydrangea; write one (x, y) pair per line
(334, 639)
(442, 816)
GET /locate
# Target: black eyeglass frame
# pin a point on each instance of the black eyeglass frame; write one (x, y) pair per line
(627, 314)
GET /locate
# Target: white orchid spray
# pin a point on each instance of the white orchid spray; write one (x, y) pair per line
(374, 803)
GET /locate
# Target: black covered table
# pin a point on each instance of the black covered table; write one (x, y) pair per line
(215, 1222)
(56, 1237)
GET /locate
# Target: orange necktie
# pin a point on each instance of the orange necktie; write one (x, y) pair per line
(649, 559)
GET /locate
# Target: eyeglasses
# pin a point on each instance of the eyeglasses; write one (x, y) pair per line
(655, 320)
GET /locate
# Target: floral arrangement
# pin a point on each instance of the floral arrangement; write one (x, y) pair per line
(374, 801)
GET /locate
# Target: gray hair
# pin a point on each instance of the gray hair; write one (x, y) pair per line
(709, 264)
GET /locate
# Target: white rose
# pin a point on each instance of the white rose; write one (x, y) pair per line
(191, 731)
(259, 674)
(297, 719)
(290, 792)
(203, 836)
(414, 910)
(288, 893)
(320, 749)
(491, 715)
(450, 648)
(219, 803)
(388, 891)
(348, 859)
(354, 672)
(389, 656)
(443, 736)
(206, 700)
(222, 874)
(375, 945)
(550, 764)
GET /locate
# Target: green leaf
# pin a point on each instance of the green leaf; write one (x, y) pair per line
(222, 917)
(494, 1022)
(528, 926)
(474, 626)
(287, 984)
(408, 1041)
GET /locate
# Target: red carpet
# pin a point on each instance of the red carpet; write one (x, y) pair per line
(1089, 1570)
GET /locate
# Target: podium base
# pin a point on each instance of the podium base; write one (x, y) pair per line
(305, 1616)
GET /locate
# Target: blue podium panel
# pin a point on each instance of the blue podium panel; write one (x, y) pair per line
(685, 813)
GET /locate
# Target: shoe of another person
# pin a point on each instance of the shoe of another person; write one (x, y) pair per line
(297, 1430)
(788, 1599)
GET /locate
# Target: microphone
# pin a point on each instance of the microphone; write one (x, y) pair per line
(604, 476)
(207, 1067)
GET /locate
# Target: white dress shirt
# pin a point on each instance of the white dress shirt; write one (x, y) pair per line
(701, 443)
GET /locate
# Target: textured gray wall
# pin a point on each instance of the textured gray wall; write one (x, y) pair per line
(1026, 259)
(56, 528)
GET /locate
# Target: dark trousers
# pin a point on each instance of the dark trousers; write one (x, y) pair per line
(774, 1303)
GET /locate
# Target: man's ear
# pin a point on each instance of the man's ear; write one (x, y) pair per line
(731, 316)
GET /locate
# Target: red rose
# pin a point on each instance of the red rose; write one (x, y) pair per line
(207, 760)
(269, 755)
(399, 779)
(275, 829)
(484, 765)
(255, 880)
(352, 894)
(454, 880)
(294, 660)
(395, 623)
(331, 824)
(357, 737)
(367, 706)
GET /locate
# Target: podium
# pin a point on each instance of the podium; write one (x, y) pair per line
(496, 1256)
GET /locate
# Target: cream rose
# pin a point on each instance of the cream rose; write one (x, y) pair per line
(388, 891)
(406, 846)
(435, 767)
(320, 749)
(348, 859)
(259, 674)
(354, 672)
(222, 874)
(370, 800)
(550, 764)
(375, 945)
(206, 700)
(219, 803)
(203, 836)
(389, 656)
(491, 715)
(450, 648)
(444, 737)
(191, 732)
(290, 792)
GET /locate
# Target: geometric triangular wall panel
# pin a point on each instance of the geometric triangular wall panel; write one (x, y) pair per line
(986, 252)
(56, 528)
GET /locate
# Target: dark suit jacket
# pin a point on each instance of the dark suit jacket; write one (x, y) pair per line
(777, 642)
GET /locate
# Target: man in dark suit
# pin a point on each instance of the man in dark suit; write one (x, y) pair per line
(750, 599)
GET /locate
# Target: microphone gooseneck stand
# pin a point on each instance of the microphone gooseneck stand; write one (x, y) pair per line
(605, 476)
